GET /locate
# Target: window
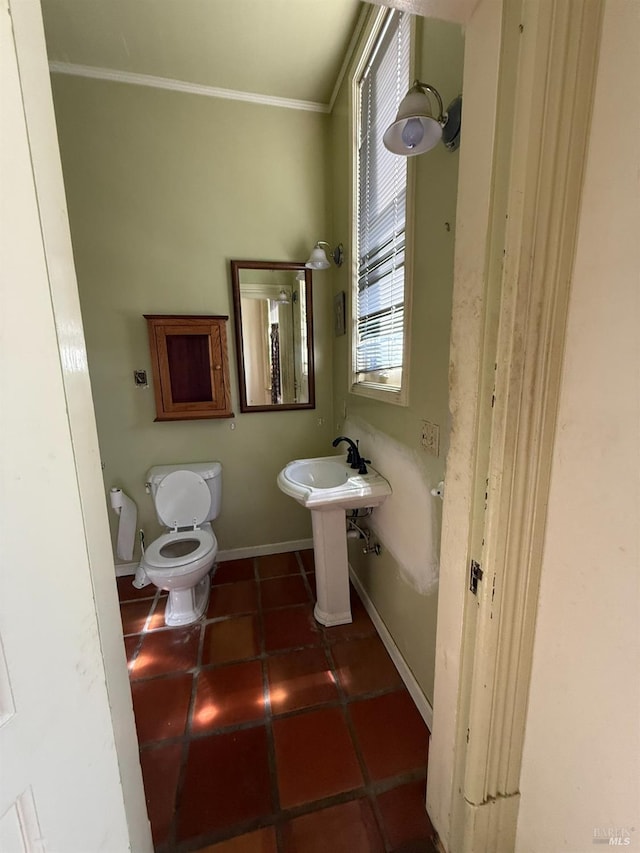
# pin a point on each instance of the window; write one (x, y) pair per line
(380, 288)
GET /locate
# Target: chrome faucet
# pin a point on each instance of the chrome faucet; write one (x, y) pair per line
(353, 454)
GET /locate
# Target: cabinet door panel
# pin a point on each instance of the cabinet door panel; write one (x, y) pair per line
(190, 367)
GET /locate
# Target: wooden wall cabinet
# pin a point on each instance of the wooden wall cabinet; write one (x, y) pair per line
(190, 366)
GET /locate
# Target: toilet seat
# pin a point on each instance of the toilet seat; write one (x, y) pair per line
(153, 554)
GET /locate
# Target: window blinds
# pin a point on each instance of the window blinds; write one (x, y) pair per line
(382, 192)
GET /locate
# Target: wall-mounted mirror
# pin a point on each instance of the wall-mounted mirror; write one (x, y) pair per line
(274, 335)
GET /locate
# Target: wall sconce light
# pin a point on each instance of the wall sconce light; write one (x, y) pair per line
(318, 258)
(416, 130)
(286, 297)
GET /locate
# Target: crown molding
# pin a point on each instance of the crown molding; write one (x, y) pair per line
(135, 79)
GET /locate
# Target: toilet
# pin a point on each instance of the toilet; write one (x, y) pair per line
(187, 498)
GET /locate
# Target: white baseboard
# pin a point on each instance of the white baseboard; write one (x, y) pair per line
(124, 569)
(420, 700)
(264, 550)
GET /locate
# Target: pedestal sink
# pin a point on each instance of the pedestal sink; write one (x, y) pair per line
(328, 487)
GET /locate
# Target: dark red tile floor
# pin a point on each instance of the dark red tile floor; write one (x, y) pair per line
(261, 731)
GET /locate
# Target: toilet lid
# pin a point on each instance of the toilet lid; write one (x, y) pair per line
(183, 499)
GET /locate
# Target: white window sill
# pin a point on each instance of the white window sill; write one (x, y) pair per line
(395, 396)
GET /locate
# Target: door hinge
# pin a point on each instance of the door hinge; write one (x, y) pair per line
(475, 576)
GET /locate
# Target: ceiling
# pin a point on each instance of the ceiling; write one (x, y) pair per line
(276, 48)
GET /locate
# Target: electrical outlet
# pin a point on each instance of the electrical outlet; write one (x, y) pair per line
(431, 437)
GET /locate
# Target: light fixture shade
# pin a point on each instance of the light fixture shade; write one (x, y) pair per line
(318, 259)
(415, 129)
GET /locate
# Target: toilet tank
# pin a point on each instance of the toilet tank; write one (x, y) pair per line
(211, 473)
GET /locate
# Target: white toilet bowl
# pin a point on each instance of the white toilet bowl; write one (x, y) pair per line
(186, 498)
(180, 562)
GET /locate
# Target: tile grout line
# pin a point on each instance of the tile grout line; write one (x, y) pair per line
(143, 633)
(368, 782)
(268, 719)
(187, 738)
(343, 702)
(278, 817)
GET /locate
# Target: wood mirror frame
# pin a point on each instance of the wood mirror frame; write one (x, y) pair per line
(275, 359)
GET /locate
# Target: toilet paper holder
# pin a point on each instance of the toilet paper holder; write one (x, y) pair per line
(127, 513)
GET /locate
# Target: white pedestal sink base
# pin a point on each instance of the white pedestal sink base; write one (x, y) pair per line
(328, 486)
(333, 605)
(330, 619)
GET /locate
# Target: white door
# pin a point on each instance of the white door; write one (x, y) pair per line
(67, 743)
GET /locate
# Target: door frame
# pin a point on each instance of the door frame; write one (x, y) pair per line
(515, 246)
(511, 292)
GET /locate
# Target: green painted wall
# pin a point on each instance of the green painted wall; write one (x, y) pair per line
(163, 189)
(409, 615)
